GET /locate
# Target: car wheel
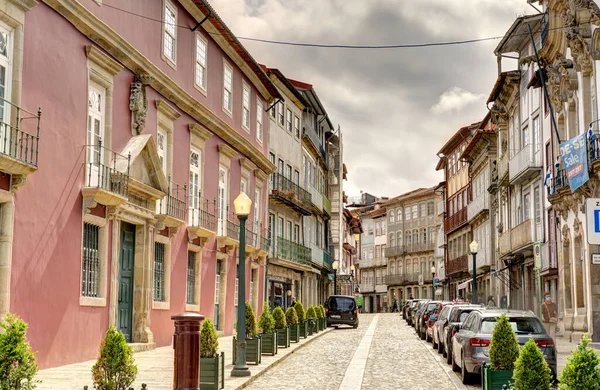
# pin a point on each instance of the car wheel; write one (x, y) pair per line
(448, 356)
(433, 343)
(355, 326)
(464, 374)
(455, 366)
(422, 335)
(440, 348)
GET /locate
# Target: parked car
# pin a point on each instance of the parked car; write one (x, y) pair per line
(433, 319)
(471, 344)
(440, 323)
(427, 310)
(455, 320)
(416, 311)
(407, 311)
(341, 310)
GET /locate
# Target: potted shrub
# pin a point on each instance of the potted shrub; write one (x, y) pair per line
(504, 350)
(268, 335)
(291, 318)
(17, 360)
(301, 319)
(283, 332)
(582, 371)
(531, 369)
(115, 367)
(323, 317)
(212, 364)
(253, 342)
(310, 319)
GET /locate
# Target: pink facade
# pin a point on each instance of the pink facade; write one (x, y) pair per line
(50, 210)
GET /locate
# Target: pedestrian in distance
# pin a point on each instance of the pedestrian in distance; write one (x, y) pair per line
(549, 315)
(395, 307)
(293, 301)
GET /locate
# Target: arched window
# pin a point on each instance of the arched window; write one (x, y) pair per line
(408, 238)
(424, 236)
(415, 237)
(407, 213)
(392, 240)
(393, 268)
(430, 208)
(401, 267)
(392, 217)
(399, 236)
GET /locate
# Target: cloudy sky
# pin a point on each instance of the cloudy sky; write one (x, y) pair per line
(396, 107)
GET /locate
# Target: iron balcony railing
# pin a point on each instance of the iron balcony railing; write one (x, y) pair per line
(174, 204)
(393, 279)
(395, 251)
(315, 197)
(265, 242)
(326, 205)
(316, 255)
(289, 250)
(228, 225)
(285, 187)
(327, 260)
(251, 238)
(312, 135)
(101, 171)
(457, 265)
(21, 139)
(369, 263)
(456, 220)
(202, 213)
(423, 247)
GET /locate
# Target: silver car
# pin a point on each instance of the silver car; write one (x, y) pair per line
(470, 345)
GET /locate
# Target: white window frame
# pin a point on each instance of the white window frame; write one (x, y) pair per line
(246, 97)
(289, 120)
(259, 120)
(257, 201)
(297, 132)
(172, 61)
(227, 89)
(280, 114)
(91, 138)
(7, 62)
(199, 66)
(100, 300)
(166, 304)
(195, 186)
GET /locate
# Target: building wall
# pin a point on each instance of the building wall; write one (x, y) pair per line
(46, 267)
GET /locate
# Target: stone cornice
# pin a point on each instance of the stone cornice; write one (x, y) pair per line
(99, 57)
(227, 151)
(164, 108)
(260, 175)
(200, 131)
(25, 5)
(104, 36)
(247, 164)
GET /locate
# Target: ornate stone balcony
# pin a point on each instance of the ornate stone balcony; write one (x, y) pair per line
(525, 165)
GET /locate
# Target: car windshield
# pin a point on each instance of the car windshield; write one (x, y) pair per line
(520, 325)
(432, 308)
(341, 303)
(459, 315)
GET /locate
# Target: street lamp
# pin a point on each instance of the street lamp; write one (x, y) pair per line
(241, 205)
(474, 246)
(335, 266)
(352, 268)
(432, 282)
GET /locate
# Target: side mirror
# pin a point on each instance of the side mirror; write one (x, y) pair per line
(432, 318)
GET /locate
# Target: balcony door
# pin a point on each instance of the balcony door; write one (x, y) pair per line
(5, 88)
(222, 202)
(194, 201)
(95, 133)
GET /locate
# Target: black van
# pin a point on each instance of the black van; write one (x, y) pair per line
(342, 310)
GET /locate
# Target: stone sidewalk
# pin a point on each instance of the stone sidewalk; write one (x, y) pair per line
(155, 368)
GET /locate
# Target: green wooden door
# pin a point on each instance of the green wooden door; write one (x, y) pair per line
(126, 262)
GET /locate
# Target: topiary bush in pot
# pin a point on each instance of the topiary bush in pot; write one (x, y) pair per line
(268, 335)
(212, 364)
(322, 316)
(251, 325)
(582, 370)
(17, 360)
(283, 332)
(115, 368)
(301, 319)
(311, 317)
(292, 320)
(531, 370)
(253, 343)
(503, 352)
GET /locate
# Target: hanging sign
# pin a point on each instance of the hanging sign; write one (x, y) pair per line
(574, 157)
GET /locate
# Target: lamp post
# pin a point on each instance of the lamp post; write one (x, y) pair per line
(432, 282)
(352, 268)
(241, 205)
(474, 246)
(335, 266)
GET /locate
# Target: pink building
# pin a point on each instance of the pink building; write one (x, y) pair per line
(121, 211)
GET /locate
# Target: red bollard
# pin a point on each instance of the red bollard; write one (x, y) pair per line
(186, 343)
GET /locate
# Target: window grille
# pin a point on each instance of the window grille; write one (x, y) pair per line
(91, 261)
(191, 278)
(159, 272)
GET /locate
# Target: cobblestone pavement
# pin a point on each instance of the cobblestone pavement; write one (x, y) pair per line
(397, 359)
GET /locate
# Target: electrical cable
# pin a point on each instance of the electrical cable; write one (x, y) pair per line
(339, 46)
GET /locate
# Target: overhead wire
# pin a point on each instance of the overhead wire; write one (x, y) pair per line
(338, 46)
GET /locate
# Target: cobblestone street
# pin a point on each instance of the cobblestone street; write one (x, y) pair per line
(396, 359)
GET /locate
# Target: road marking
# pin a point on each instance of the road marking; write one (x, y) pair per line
(356, 369)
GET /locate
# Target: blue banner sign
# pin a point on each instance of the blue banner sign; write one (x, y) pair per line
(574, 157)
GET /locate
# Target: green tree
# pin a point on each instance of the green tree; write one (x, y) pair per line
(266, 321)
(581, 372)
(300, 311)
(17, 360)
(504, 347)
(291, 318)
(531, 370)
(209, 341)
(310, 313)
(279, 317)
(251, 326)
(115, 368)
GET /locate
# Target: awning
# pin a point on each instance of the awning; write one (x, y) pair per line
(330, 277)
(465, 284)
